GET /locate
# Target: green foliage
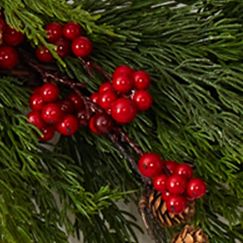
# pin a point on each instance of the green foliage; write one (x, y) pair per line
(194, 55)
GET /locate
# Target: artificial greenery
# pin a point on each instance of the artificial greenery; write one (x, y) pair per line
(194, 54)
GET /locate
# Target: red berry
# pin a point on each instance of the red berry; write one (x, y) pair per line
(141, 80)
(105, 87)
(36, 102)
(106, 99)
(184, 170)
(49, 92)
(92, 126)
(71, 30)
(35, 119)
(77, 101)
(66, 106)
(165, 195)
(12, 37)
(196, 188)
(47, 134)
(54, 31)
(170, 166)
(95, 97)
(176, 204)
(142, 99)
(150, 165)
(123, 70)
(100, 123)
(8, 57)
(159, 183)
(176, 184)
(51, 113)
(68, 126)
(43, 54)
(82, 46)
(82, 117)
(122, 83)
(123, 111)
(62, 47)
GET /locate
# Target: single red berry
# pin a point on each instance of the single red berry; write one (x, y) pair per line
(106, 99)
(176, 204)
(43, 54)
(196, 188)
(68, 126)
(101, 123)
(184, 170)
(53, 31)
(62, 47)
(150, 165)
(142, 99)
(12, 37)
(51, 113)
(141, 80)
(8, 57)
(49, 92)
(107, 86)
(122, 83)
(170, 166)
(35, 119)
(71, 30)
(82, 117)
(82, 46)
(123, 111)
(165, 195)
(95, 97)
(77, 101)
(123, 70)
(47, 134)
(176, 184)
(66, 106)
(92, 126)
(159, 183)
(36, 102)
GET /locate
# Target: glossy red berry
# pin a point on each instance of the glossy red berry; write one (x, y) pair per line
(51, 113)
(123, 70)
(82, 46)
(100, 123)
(150, 165)
(176, 184)
(196, 188)
(62, 47)
(123, 111)
(92, 126)
(53, 31)
(176, 204)
(107, 86)
(77, 101)
(43, 54)
(68, 126)
(165, 195)
(141, 80)
(159, 183)
(8, 57)
(71, 30)
(106, 99)
(184, 170)
(49, 92)
(170, 166)
(142, 99)
(12, 37)
(95, 97)
(35, 119)
(82, 117)
(122, 83)
(66, 106)
(36, 102)
(47, 134)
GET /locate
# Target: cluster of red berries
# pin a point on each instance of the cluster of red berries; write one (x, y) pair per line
(50, 113)
(9, 39)
(174, 180)
(126, 94)
(68, 37)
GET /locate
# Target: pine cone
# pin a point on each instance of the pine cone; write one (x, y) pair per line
(191, 235)
(158, 208)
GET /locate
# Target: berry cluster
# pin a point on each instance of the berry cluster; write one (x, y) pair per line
(126, 95)
(50, 114)
(67, 37)
(174, 180)
(9, 40)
